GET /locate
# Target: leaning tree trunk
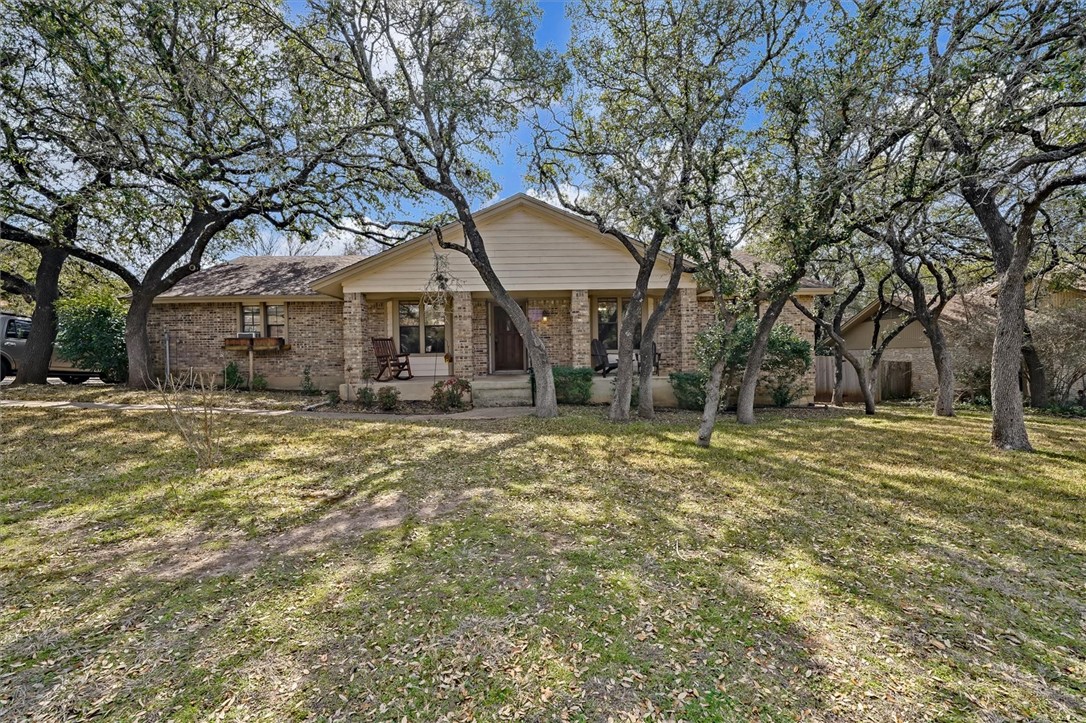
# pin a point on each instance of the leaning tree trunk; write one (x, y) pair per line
(712, 402)
(620, 404)
(1008, 418)
(944, 370)
(137, 342)
(34, 367)
(748, 388)
(645, 403)
(869, 377)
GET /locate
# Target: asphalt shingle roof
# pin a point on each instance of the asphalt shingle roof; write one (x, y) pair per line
(260, 276)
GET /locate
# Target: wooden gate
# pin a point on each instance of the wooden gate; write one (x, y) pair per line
(897, 379)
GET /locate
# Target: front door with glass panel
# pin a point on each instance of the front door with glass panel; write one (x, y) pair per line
(508, 346)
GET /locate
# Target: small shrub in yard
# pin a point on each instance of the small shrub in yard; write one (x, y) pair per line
(260, 383)
(449, 394)
(689, 388)
(388, 398)
(572, 385)
(231, 377)
(367, 397)
(309, 388)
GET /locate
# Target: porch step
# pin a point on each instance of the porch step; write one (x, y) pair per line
(499, 392)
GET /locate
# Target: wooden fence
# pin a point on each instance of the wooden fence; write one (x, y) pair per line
(895, 380)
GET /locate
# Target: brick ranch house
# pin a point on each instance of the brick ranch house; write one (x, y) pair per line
(571, 279)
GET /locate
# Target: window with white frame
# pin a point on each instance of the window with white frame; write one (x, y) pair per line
(421, 327)
(609, 313)
(275, 320)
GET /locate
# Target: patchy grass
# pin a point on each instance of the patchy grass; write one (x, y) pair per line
(835, 568)
(110, 394)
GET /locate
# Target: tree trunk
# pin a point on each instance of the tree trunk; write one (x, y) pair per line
(1008, 418)
(944, 370)
(620, 404)
(1035, 368)
(645, 402)
(838, 378)
(34, 367)
(869, 377)
(712, 402)
(137, 342)
(748, 388)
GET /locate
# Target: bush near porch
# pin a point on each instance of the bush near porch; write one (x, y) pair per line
(542, 568)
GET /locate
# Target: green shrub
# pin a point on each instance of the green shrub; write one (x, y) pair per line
(787, 358)
(572, 385)
(308, 387)
(388, 398)
(260, 383)
(689, 388)
(367, 397)
(449, 394)
(231, 377)
(90, 334)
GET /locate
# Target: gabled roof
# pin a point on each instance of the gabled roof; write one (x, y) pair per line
(330, 284)
(259, 276)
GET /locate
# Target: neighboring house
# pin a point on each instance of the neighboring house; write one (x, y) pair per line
(907, 365)
(571, 280)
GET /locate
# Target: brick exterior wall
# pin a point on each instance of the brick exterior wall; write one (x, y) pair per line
(480, 322)
(357, 363)
(580, 337)
(687, 303)
(463, 345)
(333, 338)
(557, 330)
(792, 316)
(314, 333)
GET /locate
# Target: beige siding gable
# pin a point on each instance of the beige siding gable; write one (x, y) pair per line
(530, 250)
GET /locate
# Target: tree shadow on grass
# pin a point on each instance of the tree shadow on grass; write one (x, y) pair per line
(574, 564)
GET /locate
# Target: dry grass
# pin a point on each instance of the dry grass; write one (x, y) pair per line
(838, 568)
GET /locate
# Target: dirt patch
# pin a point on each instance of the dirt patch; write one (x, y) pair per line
(195, 558)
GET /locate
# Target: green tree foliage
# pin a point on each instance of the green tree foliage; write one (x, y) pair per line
(787, 358)
(91, 333)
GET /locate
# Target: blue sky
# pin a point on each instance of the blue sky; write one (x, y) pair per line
(553, 31)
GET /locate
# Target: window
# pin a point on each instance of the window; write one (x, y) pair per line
(18, 329)
(609, 322)
(423, 334)
(275, 320)
(409, 327)
(435, 329)
(250, 319)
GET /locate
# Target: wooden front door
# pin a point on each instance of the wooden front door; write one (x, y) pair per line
(508, 346)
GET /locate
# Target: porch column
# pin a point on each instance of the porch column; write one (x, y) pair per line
(688, 328)
(580, 333)
(356, 362)
(463, 347)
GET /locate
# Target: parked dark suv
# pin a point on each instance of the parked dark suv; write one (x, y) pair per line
(14, 331)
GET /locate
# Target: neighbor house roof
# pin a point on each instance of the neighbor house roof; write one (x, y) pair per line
(259, 276)
(330, 283)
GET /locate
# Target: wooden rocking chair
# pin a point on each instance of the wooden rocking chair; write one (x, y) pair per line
(601, 362)
(390, 364)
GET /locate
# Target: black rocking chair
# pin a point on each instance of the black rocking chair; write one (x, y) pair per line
(601, 362)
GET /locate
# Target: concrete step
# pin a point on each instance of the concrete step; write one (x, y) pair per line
(498, 392)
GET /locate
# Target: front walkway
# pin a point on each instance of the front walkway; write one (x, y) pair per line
(487, 413)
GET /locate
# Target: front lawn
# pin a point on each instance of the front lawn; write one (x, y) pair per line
(828, 567)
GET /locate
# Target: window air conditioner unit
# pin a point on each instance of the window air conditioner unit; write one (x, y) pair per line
(247, 335)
